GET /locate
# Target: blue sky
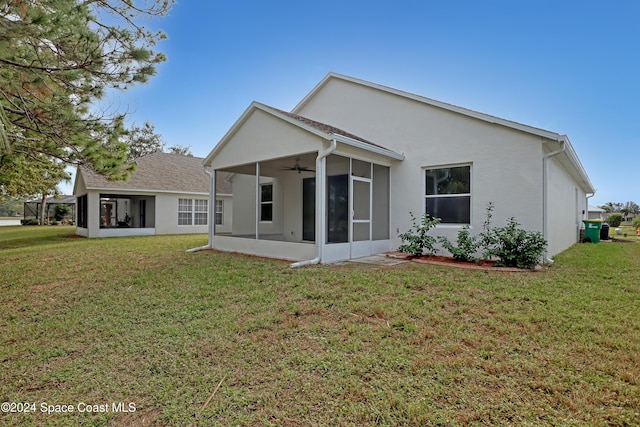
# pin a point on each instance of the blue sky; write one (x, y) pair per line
(571, 67)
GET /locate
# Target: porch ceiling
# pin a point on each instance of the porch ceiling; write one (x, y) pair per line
(278, 166)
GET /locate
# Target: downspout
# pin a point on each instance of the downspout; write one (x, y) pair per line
(212, 203)
(258, 198)
(320, 199)
(545, 194)
(586, 214)
(587, 203)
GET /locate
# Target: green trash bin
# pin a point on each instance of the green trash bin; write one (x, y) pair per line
(592, 229)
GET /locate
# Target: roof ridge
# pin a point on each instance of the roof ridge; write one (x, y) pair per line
(430, 101)
(324, 127)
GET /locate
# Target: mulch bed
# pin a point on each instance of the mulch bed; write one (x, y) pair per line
(450, 262)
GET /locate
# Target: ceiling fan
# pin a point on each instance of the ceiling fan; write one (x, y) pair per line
(298, 168)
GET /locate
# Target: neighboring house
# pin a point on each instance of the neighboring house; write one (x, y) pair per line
(596, 213)
(337, 177)
(32, 208)
(166, 194)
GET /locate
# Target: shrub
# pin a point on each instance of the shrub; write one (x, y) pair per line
(614, 220)
(60, 211)
(518, 248)
(416, 240)
(466, 245)
(487, 239)
(636, 222)
(509, 245)
(29, 221)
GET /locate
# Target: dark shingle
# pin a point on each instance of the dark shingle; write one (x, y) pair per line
(160, 172)
(325, 127)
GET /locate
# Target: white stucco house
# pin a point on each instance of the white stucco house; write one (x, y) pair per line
(166, 194)
(596, 213)
(337, 177)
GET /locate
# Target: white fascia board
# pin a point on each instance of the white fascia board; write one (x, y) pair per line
(75, 181)
(575, 161)
(368, 147)
(259, 106)
(229, 134)
(293, 121)
(443, 105)
(316, 88)
(137, 191)
(329, 136)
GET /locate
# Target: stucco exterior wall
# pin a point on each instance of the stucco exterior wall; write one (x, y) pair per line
(566, 204)
(244, 206)
(93, 213)
(262, 138)
(506, 164)
(167, 214)
(227, 214)
(161, 214)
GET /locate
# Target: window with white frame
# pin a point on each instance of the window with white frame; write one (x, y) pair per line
(185, 211)
(200, 212)
(448, 194)
(266, 202)
(192, 211)
(219, 214)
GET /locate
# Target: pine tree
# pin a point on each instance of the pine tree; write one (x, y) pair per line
(58, 59)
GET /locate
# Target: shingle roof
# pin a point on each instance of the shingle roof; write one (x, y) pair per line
(64, 198)
(160, 172)
(323, 127)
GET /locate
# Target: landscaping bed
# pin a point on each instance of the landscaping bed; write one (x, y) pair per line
(451, 262)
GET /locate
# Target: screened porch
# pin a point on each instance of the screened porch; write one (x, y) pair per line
(279, 210)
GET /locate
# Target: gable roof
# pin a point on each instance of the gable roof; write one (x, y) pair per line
(322, 130)
(428, 101)
(569, 151)
(158, 172)
(323, 127)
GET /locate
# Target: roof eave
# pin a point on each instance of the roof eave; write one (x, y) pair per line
(265, 108)
(428, 101)
(367, 147)
(575, 162)
(324, 135)
(145, 190)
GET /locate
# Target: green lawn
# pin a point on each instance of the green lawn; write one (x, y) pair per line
(221, 339)
(631, 233)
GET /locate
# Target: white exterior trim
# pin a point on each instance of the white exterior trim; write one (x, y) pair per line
(548, 135)
(323, 135)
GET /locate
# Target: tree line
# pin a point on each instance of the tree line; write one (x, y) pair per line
(59, 59)
(627, 210)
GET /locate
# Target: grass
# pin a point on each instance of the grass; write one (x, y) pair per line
(626, 228)
(222, 339)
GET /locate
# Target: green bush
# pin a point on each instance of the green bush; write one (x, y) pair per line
(466, 245)
(518, 248)
(416, 240)
(636, 223)
(614, 220)
(60, 211)
(509, 245)
(487, 240)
